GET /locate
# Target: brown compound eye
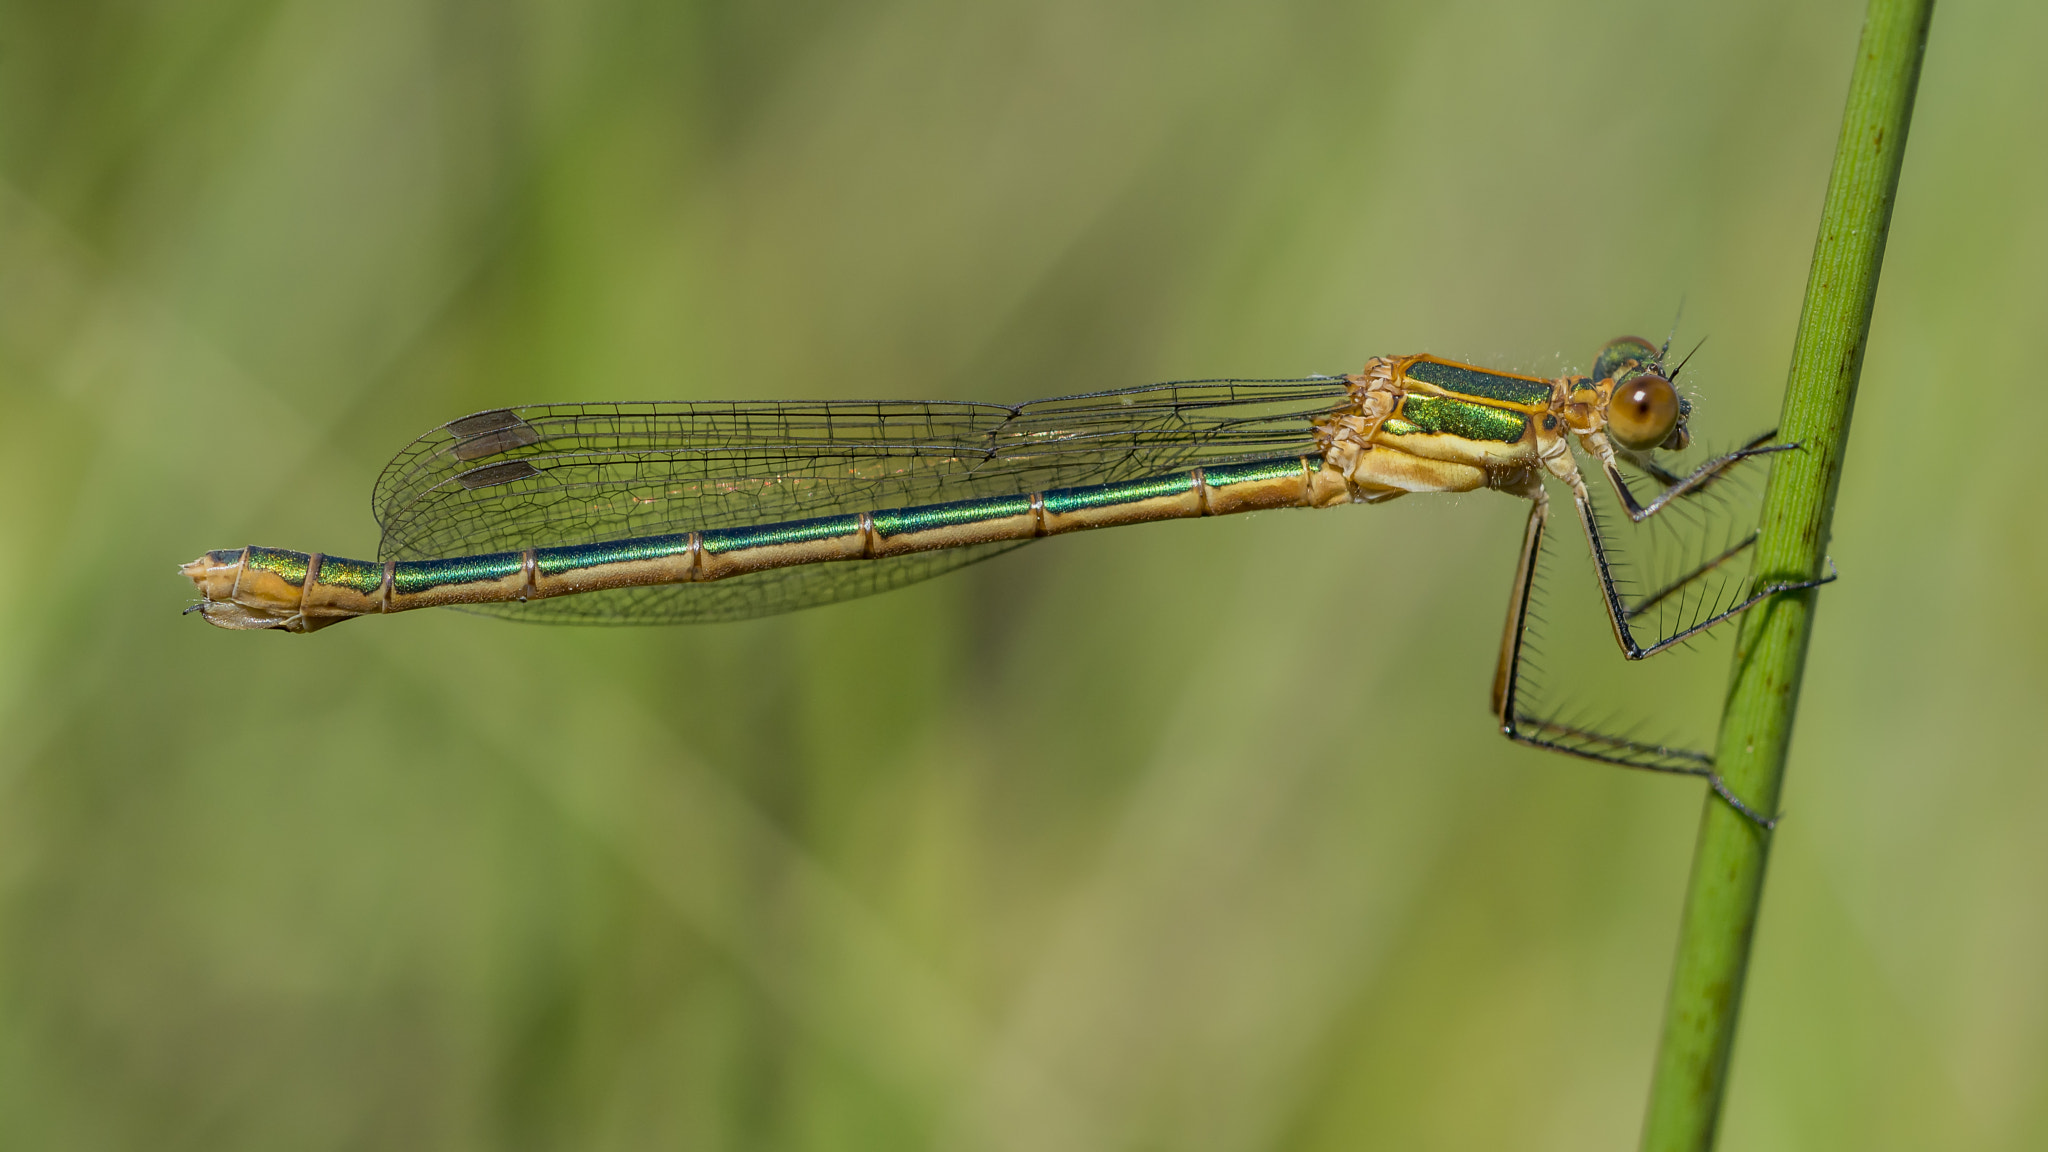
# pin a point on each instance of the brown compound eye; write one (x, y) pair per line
(1642, 412)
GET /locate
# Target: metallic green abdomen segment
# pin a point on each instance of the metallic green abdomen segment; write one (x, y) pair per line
(412, 577)
(788, 532)
(561, 561)
(1443, 416)
(365, 577)
(1061, 500)
(1260, 471)
(925, 517)
(1480, 385)
(285, 565)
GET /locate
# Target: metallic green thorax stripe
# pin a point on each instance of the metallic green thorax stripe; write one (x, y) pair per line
(1480, 385)
(1447, 417)
(410, 577)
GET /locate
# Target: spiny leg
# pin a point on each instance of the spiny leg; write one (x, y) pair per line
(1620, 613)
(1570, 740)
(1507, 674)
(1674, 587)
(1678, 488)
(1648, 467)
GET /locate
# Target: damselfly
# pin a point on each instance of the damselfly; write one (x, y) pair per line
(663, 513)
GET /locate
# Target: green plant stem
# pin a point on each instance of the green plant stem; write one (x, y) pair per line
(1770, 657)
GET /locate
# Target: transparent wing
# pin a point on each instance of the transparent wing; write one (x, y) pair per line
(567, 474)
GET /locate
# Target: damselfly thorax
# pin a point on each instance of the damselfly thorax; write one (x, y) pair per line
(681, 512)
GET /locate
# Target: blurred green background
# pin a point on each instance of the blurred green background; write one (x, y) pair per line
(1190, 836)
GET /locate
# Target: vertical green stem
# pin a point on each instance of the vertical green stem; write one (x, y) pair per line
(1770, 658)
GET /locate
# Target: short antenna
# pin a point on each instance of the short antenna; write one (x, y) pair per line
(1688, 359)
(1673, 335)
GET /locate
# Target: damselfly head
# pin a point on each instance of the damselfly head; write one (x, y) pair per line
(1644, 409)
(1624, 356)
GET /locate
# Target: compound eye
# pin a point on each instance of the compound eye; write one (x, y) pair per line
(1642, 412)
